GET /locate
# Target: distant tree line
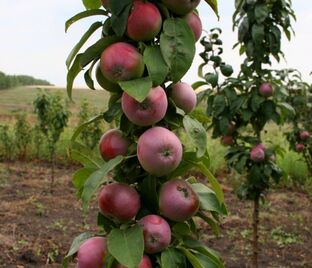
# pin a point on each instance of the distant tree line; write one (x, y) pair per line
(10, 81)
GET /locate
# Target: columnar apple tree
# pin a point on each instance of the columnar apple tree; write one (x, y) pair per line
(241, 106)
(147, 212)
(299, 96)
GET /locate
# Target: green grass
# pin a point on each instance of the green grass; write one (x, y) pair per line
(295, 168)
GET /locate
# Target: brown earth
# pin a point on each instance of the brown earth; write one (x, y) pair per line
(37, 227)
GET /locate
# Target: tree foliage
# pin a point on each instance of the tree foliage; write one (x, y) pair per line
(10, 81)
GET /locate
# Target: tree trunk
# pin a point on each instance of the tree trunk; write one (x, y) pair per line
(255, 224)
(52, 170)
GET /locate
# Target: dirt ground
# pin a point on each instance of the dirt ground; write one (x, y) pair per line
(37, 227)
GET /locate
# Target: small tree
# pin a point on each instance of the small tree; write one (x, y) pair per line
(38, 139)
(22, 136)
(248, 101)
(89, 136)
(52, 116)
(299, 96)
(6, 144)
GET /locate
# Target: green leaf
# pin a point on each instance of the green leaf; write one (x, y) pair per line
(287, 107)
(261, 12)
(214, 5)
(97, 179)
(256, 102)
(213, 181)
(207, 198)
(92, 4)
(224, 123)
(84, 125)
(243, 29)
(94, 52)
(78, 241)
(218, 105)
(119, 23)
(156, 65)
(197, 134)
(177, 46)
(81, 175)
(118, 6)
(201, 248)
(172, 258)
(257, 34)
(113, 112)
(84, 14)
(72, 74)
(137, 88)
(206, 261)
(88, 76)
(109, 261)
(85, 155)
(198, 84)
(82, 41)
(214, 226)
(127, 246)
(192, 258)
(181, 229)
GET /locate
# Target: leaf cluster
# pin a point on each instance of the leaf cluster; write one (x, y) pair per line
(260, 24)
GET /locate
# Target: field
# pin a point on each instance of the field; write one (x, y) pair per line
(16, 100)
(37, 227)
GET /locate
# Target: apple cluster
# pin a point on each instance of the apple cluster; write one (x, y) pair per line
(228, 139)
(158, 150)
(302, 138)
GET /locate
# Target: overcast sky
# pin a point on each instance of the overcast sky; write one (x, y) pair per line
(33, 40)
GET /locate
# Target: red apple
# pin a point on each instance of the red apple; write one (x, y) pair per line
(181, 7)
(113, 143)
(157, 233)
(121, 62)
(159, 151)
(266, 89)
(178, 201)
(148, 112)
(304, 135)
(145, 263)
(257, 153)
(195, 23)
(261, 146)
(119, 201)
(227, 140)
(92, 253)
(144, 21)
(299, 147)
(105, 83)
(184, 96)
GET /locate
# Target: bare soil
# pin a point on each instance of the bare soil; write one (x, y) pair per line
(37, 226)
